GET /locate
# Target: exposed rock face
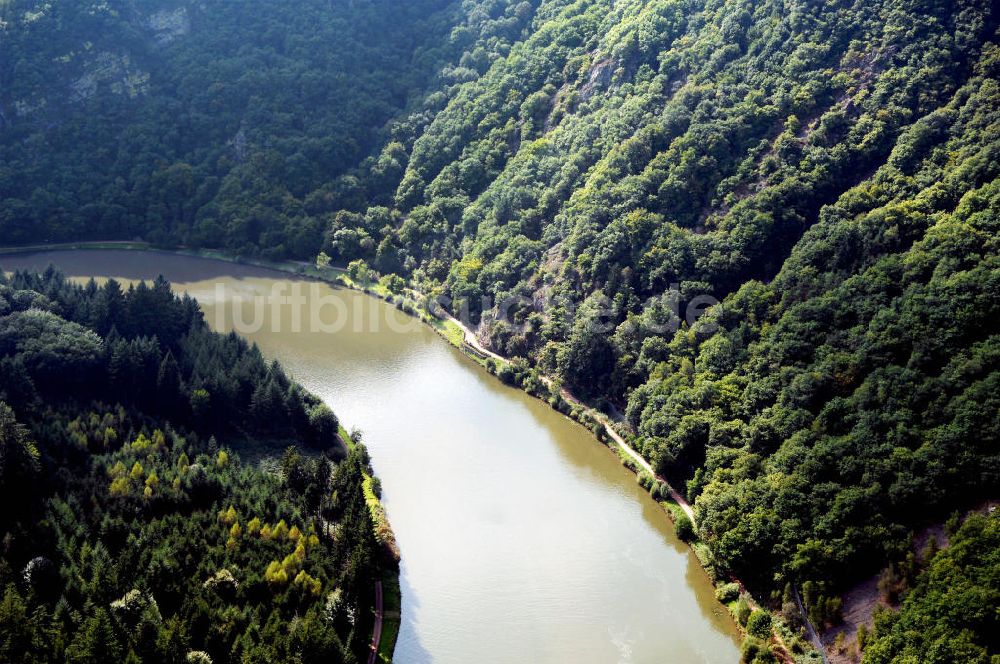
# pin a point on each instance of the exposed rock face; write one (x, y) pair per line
(239, 144)
(599, 78)
(89, 71)
(115, 71)
(168, 25)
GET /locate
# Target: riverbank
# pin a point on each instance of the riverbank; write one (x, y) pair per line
(513, 373)
(788, 645)
(292, 267)
(388, 596)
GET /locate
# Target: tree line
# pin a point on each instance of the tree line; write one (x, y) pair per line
(133, 531)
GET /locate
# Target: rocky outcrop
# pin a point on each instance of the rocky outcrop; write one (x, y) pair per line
(598, 78)
(107, 67)
(168, 25)
(117, 72)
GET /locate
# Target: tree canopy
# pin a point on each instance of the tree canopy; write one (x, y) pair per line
(577, 177)
(133, 531)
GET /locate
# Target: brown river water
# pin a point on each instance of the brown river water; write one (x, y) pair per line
(523, 540)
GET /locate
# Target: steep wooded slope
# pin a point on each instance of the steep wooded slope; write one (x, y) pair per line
(827, 169)
(223, 124)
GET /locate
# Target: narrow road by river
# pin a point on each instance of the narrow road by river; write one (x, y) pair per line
(505, 511)
(472, 340)
(377, 631)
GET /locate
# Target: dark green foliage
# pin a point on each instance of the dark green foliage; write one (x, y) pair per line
(587, 355)
(228, 124)
(743, 611)
(51, 349)
(574, 176)
(759, 625)
(19, 457)
(950, 614)
(141, 537)
(755, 651)
(827, 170)
(96, 642)
(324, 425)
(683, 528)
(824, 610)
(728, 592)
(216, 381)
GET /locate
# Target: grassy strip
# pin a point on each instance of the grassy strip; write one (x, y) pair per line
(392, 601)
(67, 246)
(449, 330)
(383, 532)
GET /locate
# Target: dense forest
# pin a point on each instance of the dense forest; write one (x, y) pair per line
(221, 124)
(826, 169)
(132, 531)
(574, 176)
(950, 613)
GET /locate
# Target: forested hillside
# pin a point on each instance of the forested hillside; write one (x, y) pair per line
(827, 169)
(573, 175)
(132, 531)
(222, 124)
(950, 614)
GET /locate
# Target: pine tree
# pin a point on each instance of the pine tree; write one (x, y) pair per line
(96, 643)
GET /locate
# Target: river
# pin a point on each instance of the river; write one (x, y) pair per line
(522, 538)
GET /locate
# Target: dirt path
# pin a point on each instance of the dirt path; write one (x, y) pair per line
(377, 631)
(472, 340)
(638, 458)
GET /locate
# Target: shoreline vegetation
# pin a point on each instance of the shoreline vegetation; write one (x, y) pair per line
(388, 596)
(143, 565)
(383, 532)
(608, 431)
(752, 247)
